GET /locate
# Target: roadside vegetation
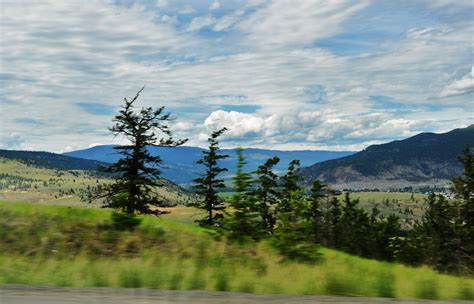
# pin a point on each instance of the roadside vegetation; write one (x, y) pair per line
(77, 247)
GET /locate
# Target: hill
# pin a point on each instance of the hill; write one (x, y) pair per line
(180, 162)
(51, 160)
(25, 181)
(427, 159)
(78, 247)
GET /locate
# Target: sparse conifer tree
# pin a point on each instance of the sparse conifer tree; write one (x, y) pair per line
(209, 184)
(137, 172)
(244, 224)
(266, 193)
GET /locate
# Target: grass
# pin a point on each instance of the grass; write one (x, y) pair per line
(77, 247)
(48, 186)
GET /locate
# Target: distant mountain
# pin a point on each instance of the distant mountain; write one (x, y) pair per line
(424, 159)
(181, 167)
(51, 160)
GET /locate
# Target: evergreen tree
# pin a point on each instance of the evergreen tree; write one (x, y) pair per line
(463, 189)
(291, 236)
(332, 227)
(314, 214)
(354, 228)
(440, 235)
(209, 184)
(244, 224)
(383, 231)
(137, 173)
(289, 187)
(266, 193)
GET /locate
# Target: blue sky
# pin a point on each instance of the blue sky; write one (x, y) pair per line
(337, 75)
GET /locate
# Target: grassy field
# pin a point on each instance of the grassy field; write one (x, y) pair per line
(21, 182)
(78, 247)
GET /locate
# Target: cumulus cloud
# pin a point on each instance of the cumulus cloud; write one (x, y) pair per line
(239, 124)
(312, 128)
(461, 86)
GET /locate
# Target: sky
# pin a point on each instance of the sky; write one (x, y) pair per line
(283, 74)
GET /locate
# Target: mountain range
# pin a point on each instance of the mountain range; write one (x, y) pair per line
(180, 162)
(426, 159)
(50, 160)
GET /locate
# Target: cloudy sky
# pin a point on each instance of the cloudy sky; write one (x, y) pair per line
(307, 74)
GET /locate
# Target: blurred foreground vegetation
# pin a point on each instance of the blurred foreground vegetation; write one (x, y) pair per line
(78, 247)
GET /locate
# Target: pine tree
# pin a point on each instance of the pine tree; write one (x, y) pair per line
(244, 224)
(137, 172)
(314, 214)
(463, 189)
(209, 184)
(440, 234)
(266, 193)
(332, 227)
(292, 233)
(354, 227)
(289, 187)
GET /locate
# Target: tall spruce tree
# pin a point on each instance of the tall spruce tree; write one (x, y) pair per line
(209, 184)
(137, 172)
(463, 189)
(244, 223)
(314, 214)
(289, 187)
(266, 193)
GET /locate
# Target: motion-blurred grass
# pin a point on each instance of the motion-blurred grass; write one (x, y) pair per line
(66, 246)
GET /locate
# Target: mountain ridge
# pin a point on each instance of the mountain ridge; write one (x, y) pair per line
(51, 160)
(180, 162)
(424, 159)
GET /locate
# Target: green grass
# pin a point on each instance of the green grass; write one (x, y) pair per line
(52, 187)
(77, 247)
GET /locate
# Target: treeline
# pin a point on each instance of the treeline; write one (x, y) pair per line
(277, 208)
(297, 221)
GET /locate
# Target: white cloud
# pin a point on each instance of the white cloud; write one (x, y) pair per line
(201, 22)
(239, 124)
(461, 86)
(312, 128)
(188, 9)
(297, 22)
(162, 3)
(55, 54)
(215, 5)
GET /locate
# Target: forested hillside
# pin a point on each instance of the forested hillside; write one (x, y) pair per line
(424, 159)
(51, 160)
